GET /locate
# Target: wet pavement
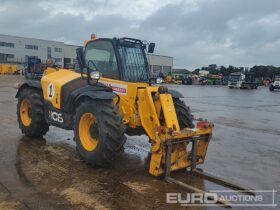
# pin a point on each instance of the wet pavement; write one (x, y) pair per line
(48, 174)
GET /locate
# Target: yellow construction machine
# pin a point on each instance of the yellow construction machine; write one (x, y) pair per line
(6, 68)
(111, 96)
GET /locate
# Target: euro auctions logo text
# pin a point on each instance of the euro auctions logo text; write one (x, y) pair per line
(264, 198)
(189, 198)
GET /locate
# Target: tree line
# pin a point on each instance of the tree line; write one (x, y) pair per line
(260, 71)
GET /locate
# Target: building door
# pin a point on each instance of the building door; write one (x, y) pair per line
(67, 62)
(49, 52)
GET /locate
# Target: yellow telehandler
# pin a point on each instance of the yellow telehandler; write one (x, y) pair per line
(111, 96)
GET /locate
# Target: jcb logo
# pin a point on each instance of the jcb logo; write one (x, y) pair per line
(57, 117)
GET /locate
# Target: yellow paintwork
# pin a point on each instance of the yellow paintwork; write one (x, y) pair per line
(87, 41)
(145, 112)
(169, 111)
(170, 79)
(57, 77)
(24, 112)
(142, 106)
(127, 104)
(8, 68)
(180, 156)
(88, 142)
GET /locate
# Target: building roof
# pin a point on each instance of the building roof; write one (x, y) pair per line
(151, 54)
(22, 37)
(181, 70)
(71, 45)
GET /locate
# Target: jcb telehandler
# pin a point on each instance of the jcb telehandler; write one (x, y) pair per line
(111, 96)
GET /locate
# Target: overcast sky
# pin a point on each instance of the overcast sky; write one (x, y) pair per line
(195, 32)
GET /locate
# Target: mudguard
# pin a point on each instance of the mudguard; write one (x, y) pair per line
(102, 95)
(94, 95)
(29, 83)
(175, 94)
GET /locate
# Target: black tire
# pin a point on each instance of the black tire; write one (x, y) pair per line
(183, 114)
(139, 131)
(38, 126)
(271, 88)
(109, 132)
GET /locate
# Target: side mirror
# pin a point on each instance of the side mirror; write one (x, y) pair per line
(151, 47)
(81, 58)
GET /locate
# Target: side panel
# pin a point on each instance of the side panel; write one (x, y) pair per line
(61, 88)
(127, 91)
(72, 91)
(169, 112)
(57, 117)
(52, 84)
(147, 111)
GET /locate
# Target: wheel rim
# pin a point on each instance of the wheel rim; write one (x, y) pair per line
(88, 131)
(25, 107)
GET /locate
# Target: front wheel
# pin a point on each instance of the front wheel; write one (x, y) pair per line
(271, 88)
(30, 113)
(99, 132)
(184, 116)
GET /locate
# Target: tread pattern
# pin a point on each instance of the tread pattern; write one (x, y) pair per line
(183, 114)
(111, 132)
(38, 126)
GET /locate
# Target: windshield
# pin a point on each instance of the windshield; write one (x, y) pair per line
(133, 63)
(277, 78)
(234, 77)
(101, 55)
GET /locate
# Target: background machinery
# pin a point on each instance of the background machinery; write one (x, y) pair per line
(212, 79)
(179, 78)
(275, 85)
(101, 109)
(34, 68)
(6, 68)
(242, 81)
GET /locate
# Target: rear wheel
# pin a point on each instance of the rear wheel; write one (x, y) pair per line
(99, 132)
(184, 116)
(30, 113)
(271, 88)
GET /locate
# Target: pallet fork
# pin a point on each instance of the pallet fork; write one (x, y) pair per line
(196, 171)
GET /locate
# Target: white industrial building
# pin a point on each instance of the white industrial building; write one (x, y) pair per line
(160, 64)
(16, 49)
(70, 56)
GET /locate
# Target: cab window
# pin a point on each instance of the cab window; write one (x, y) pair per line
(103, 56)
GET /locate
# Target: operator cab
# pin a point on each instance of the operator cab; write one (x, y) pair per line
(237, 76)
(120, 59)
